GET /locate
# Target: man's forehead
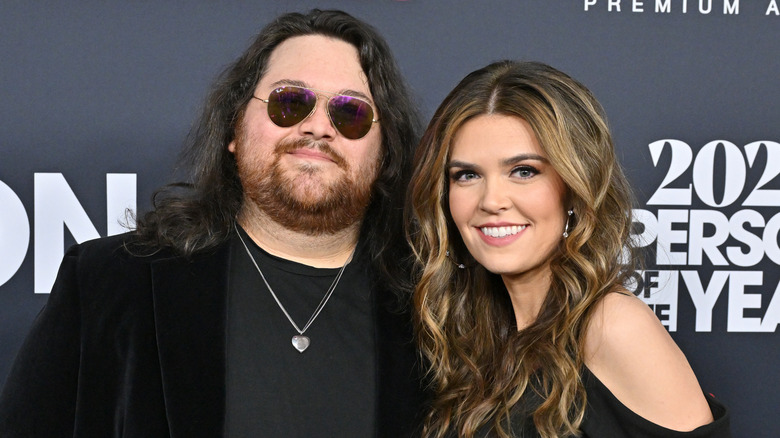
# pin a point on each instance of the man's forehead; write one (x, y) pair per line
(316, 61)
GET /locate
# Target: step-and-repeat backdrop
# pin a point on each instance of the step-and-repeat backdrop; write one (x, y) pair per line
(97, 97)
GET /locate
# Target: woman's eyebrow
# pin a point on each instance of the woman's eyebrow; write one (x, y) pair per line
(505, 162)
(522, 157)
(458, 163)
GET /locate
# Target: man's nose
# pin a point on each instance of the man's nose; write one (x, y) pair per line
(318, 124)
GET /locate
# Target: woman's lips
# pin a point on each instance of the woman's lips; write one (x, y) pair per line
(500, 235)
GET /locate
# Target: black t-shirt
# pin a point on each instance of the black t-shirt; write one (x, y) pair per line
(274, 390)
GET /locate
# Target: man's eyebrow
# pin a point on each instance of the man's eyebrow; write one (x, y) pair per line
(283, 82)
(346, 91)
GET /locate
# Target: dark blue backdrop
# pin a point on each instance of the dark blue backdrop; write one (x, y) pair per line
(96, 98)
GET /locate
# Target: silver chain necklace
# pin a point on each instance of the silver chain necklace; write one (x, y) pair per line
(299, 341)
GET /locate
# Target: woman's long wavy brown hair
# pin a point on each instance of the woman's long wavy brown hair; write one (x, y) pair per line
(480, 365)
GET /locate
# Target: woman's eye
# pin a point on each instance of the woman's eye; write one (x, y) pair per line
(524, 171)
(464, 176)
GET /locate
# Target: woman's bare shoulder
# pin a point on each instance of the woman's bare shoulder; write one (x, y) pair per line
(629, 350)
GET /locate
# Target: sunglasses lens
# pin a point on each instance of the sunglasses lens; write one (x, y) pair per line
(288, 106)
(351, 116)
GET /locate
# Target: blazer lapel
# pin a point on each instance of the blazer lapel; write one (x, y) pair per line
(190, 304)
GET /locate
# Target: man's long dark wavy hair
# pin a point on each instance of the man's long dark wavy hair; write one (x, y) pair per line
(196, 216)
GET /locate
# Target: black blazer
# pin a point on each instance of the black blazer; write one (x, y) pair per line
(135, 347)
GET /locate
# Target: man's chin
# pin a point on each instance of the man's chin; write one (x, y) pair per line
(294, 165)
(311, 182)
(309, 200)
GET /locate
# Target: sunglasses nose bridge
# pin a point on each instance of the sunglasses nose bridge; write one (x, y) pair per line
(321, 99)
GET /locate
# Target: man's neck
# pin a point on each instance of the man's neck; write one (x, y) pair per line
(319, 251)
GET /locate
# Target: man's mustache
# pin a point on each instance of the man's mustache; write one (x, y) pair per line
(288, 146)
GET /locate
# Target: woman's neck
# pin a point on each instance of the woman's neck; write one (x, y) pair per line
(527, 291)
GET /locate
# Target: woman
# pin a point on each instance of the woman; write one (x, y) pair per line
(522, 221)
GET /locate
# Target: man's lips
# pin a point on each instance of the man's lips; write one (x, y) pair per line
(309, 153)
(308, 150)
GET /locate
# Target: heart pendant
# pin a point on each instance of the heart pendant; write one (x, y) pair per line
(300, 342)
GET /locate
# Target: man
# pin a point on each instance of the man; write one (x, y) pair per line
(263, 298)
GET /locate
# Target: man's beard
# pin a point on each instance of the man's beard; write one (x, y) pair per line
(288, 197)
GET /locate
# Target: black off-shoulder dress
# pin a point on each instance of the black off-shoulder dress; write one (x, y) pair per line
(607, 417)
